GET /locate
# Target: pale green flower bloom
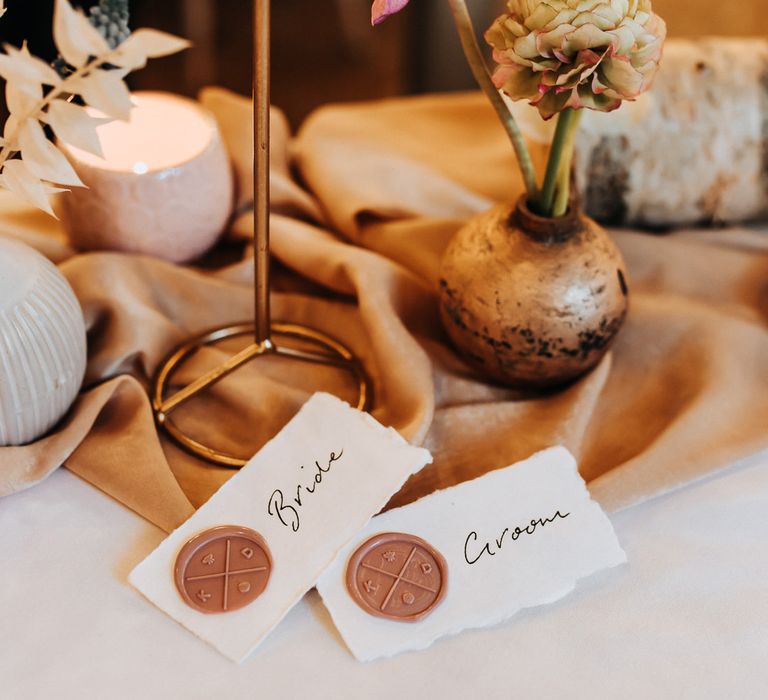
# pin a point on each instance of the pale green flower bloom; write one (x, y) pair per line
(576, 53)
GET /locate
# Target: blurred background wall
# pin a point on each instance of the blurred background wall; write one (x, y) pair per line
(326, 51)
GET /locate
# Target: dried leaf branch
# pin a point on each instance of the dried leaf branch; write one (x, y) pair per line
(31, 166)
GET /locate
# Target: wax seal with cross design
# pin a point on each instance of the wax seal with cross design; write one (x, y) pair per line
(223, 569)
(397, 576)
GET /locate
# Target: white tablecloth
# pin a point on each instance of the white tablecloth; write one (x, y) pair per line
(686, 618)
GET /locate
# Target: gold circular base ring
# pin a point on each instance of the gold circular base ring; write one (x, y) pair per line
(329, 352)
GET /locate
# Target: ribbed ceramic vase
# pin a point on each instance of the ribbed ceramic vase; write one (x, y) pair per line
(531, 301)
(42, 344)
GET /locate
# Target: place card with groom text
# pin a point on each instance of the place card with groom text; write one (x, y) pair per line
(234, 569)
(469, 556)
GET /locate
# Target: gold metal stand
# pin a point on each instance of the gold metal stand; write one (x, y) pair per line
(325, 350)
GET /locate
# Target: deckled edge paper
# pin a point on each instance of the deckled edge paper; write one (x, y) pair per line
(340, 463)
(514, 538)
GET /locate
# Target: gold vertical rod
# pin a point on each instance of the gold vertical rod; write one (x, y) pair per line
(261, 99)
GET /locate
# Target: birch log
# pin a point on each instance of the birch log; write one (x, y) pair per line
(692, 150)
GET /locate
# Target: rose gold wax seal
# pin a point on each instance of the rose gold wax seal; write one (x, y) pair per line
(223, 569)
(397, 576)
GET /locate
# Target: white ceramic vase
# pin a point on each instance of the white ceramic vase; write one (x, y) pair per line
(42, 344)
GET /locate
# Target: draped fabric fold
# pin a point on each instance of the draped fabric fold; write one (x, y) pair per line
(365, 199)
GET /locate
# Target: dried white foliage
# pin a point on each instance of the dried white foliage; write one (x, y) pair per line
(42, 157)
(104, 90)
(31, 166)
(142, 44)
(76, 38)
(73, 125)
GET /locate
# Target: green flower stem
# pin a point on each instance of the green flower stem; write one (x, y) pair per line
(482, 76)
(563, 193)
(566, 123)
(563, 189)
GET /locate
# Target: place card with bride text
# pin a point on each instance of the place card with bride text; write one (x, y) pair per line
(306, 493)
(469, 556)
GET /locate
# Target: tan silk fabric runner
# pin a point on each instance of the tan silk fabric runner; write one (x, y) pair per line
(357, 246)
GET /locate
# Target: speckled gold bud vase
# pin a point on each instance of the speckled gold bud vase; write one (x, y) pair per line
(42, 344)
(532, 301)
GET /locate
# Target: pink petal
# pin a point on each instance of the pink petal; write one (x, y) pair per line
(574, 101)
(382, 9)
(502, 74)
